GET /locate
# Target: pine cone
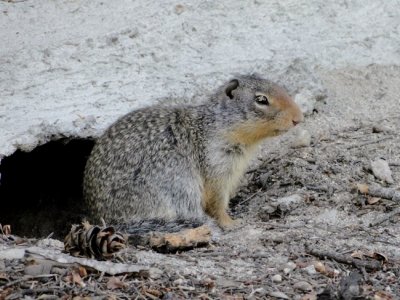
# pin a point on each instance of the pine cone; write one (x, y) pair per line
(93, 241)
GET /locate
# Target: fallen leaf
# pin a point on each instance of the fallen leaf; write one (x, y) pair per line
(379, 256)
(4, 293)
(7, 229)
(82, 271)
(320, 267)
(373, 200)
(381, 295)
(74, 277)
(115, 283)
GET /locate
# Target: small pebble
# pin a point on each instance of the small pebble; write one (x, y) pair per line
(179, 9)
(310, 270)
(381, 170)
(302, 139)
(155, 273)
(276, 278)
(179, 281)
(268, 209)
(303, 286)
(278, 295)
(388, 289)
(287, 271)
(287, 204)
(169, 296)
(319, 267)
(380, 128)
(260, 291)
(291, 265)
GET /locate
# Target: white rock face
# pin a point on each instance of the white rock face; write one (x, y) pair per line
(70, 68)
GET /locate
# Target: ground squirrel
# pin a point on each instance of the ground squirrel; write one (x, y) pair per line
(179, 162)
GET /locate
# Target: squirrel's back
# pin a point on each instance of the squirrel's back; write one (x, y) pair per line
(137, 160)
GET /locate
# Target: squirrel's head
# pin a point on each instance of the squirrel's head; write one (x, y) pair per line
(266, 109)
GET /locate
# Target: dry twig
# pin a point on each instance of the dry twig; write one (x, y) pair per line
(26, 278)
(387, 193)
(250, 197)
(369, 265)
(385, 217)
(359, 145)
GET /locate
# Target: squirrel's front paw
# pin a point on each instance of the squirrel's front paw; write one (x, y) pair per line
(227, 223)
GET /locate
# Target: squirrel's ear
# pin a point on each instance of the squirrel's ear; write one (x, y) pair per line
(230, 87)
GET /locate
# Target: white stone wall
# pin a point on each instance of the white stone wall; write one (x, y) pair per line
(70, 67)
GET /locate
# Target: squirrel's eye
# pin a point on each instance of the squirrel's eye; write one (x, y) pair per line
(262, 100)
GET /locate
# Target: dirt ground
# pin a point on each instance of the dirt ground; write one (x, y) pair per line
(306, 232)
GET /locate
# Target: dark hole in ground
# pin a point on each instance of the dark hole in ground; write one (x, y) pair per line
(41, 190)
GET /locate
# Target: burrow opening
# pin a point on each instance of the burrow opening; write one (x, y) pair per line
(41, 190)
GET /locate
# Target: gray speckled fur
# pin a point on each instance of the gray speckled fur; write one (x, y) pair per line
(152, 163)
(144, 166)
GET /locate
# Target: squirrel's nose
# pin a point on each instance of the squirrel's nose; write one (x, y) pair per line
(298, 118)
